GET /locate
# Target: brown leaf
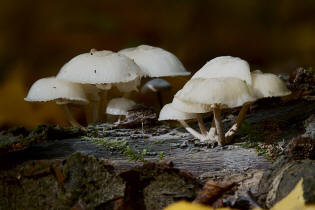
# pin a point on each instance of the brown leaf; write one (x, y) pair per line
(211, 191)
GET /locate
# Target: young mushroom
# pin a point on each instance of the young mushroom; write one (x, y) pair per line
(157, 86)
(102, 69)
(218, 93)
(199, 110)
(168, 112)
(263, 85)
(62, 92)
(119, 106)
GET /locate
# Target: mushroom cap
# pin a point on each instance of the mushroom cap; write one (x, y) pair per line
(100, 67)
(225, 66)
(168, 112)
(224, 92)
(155, 85)
(53, 89)
(155, 61)
(268, 85)
(190, 107)
(119, 106)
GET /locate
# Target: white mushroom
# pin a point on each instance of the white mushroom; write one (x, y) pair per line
(263, 85)
(100, 68)
(119, 106)
(157, 86)
(168, 112)
(219, 93)
(155, 61)
(268, 85)
(199, 110)
(62, 92)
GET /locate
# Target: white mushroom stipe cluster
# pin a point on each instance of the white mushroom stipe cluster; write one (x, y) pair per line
(155, 61)
(223, 82)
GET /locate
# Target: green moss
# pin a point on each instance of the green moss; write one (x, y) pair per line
(161, 155)
(249, 132)
(121, 146)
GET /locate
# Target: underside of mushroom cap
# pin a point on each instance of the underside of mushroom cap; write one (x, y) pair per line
(100, 67)
(155, 85)
(168, 112)
(225, 66)
(126, 87)
(190, 107)
(156, 62)
(119, 106)
(268, 85)
(91, 91)
(53, 89)
(224, 92)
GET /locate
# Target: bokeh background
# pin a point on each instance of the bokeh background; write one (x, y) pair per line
(37, 37)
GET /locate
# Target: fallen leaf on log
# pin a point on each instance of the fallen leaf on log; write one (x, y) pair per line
(211, 191)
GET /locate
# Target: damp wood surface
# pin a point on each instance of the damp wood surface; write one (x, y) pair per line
(176, 145)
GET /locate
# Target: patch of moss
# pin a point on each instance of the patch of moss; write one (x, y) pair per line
(261, 151)
(249, 132)
(119, 145)
(161, 155)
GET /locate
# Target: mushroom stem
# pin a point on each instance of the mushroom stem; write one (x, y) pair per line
(218, 124)
(193, 132)
(159, 96)
(69, 116)
(87, 114)
(102, 105)
(232, 131)
(94, 112)
(201, 125)
(212, 130)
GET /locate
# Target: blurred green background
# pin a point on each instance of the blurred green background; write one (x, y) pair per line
(37, 37)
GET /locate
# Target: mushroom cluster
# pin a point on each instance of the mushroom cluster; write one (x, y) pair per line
(222, 83)
(88, 77)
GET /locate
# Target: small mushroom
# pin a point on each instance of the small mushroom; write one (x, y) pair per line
(263, 85)
(102, 69)
(168, 112)
(199, 110)
(62, 92)
(156, 86)
(119, 106)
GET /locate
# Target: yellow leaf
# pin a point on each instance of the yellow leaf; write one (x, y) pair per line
(294, 200)
(184, 205)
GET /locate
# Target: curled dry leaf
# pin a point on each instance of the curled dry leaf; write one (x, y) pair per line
(211, 191)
